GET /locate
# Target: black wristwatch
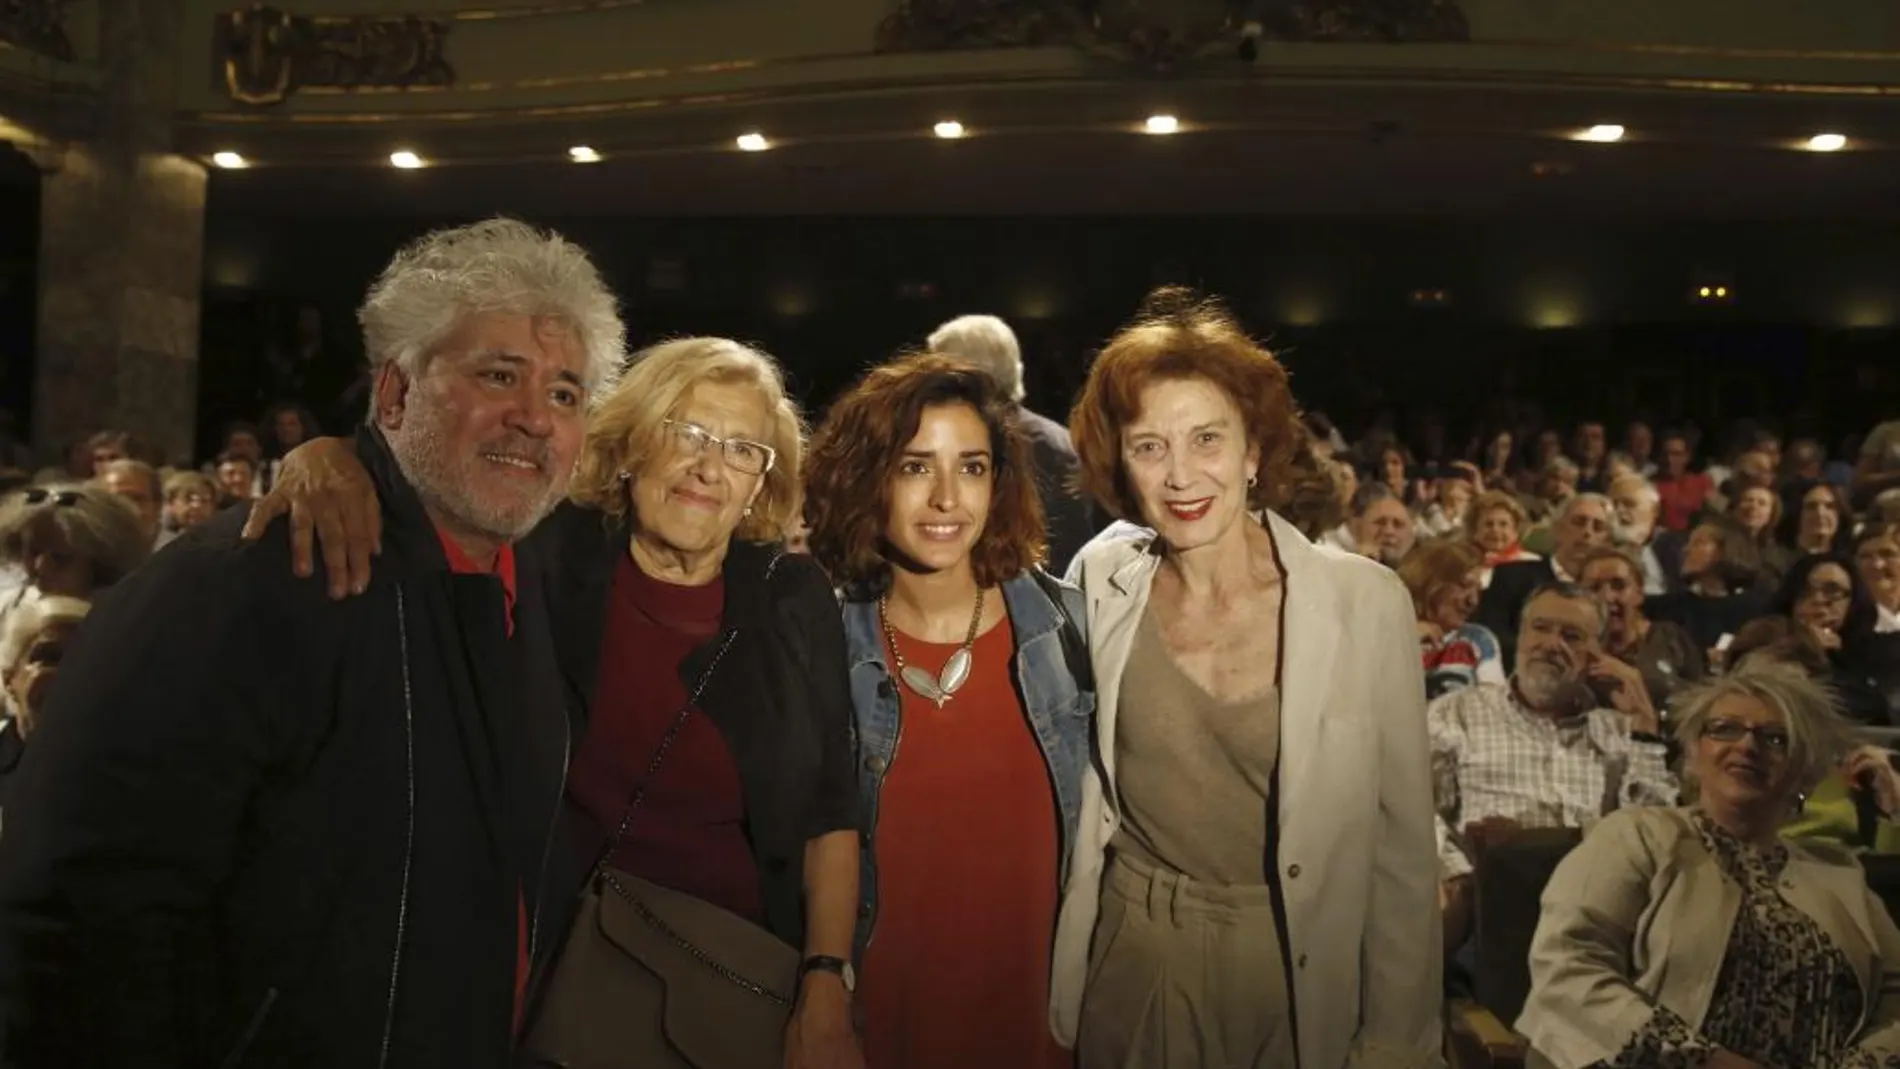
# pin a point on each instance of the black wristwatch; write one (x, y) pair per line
(825, 963)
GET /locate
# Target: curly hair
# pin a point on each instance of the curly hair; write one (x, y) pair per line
(1180, 335)
(855, 454)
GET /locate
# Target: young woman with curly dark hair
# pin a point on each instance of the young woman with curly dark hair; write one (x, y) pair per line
(969, 682)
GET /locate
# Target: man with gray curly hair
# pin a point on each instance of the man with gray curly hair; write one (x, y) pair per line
(262, 826)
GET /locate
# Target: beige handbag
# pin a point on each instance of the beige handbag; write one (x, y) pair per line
(652, 978)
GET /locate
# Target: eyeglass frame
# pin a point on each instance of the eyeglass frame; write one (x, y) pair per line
(725, 455)
(1759, 731)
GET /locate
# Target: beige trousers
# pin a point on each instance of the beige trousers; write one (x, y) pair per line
(1183, 975)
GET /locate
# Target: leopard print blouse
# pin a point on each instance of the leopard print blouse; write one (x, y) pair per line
(1786, 997)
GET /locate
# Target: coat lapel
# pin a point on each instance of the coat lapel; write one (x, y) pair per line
(1115, 607)
(1309, 645)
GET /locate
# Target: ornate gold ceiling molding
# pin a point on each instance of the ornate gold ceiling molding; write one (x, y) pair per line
(793, 94)
(265, 54)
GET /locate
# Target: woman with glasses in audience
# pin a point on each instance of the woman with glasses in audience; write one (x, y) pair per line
(1832, 608)
(66, 540)
(33, 641)
(1256, 845)
(972, 723)
(1699, 936)
(1662, 652)
(680, 618)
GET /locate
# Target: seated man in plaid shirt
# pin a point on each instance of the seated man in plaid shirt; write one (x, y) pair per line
(1570, 738)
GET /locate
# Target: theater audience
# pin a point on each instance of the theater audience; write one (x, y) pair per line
(1582, 525)
(1381, 527)
(1877, 559)
(1758, 510)
(1683, 492)
(1698, 936)
(1878, 469)
(1447, 515)
(1639, 443)
(137, 483)
(1657, 551)
(237, 478)
(1496, 522)
(1442, 578)
(1831, 607)
(1498, 463)
(1663, 653)
(1816, 518)
(190, 499)
(1592, 445)
(32, 642)
(1557, 484)
(1721, 584)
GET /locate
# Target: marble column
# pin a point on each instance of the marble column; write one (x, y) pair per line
(121, 253)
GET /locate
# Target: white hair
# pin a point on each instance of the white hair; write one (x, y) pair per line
(29, 618)
(1818, 735)
(496, 265)
(1645, 490)
(1570, 506)
(986, 342)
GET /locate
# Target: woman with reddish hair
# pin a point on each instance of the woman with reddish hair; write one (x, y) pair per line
(1255, 878)
(969, 683)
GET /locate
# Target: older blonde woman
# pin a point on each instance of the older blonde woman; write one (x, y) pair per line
(65, 540)
(1442, 578)
(1698, 936)
(709, 666)
(32, 643)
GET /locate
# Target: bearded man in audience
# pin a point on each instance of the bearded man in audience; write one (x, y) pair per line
(1573, 736)
(1638, 506)
(332, 856)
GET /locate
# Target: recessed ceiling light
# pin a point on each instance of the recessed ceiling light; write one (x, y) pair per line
(405, 159)
(754, 142)
(583, 154)
(1827, 142)
(1602, 133)
(949, 129)
(1162, 124)
(230, 161)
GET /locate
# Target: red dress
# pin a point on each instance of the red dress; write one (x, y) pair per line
(689, 833)
(957, 973)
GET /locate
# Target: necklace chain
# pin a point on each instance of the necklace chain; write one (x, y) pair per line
(890, 636)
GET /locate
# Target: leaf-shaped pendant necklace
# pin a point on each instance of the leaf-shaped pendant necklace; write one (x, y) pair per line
(956, 670)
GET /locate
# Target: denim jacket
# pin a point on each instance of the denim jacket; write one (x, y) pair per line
(1061, 713)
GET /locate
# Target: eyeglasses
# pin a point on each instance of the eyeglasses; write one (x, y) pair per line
(1828, 593)
(1772, 736)
(39, 495)
(741, 455)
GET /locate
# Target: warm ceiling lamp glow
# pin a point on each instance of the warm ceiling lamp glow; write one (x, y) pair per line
(1827, 142)
(583, 154)
(405, 159)
(1602, 133)
(754, 142)
(949, 129)
(1162, 124)
(1705, 292)
(230, 161)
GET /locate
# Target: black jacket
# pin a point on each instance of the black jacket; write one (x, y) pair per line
(1502, 607)
(780, 696)
(1067, 515)
(260, 828)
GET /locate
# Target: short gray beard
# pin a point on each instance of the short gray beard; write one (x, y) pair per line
(1542, 686)
(420, 447)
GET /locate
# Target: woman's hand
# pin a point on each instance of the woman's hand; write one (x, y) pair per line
(820, 1035)
(1871, 768)
(324, 489)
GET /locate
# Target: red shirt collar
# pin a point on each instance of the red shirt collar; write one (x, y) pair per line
(462, 564)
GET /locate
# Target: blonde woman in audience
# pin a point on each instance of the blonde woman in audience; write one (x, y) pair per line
(65, 539)
(191, 498)
(1254, 877)
(1496, 523)
(1442, 578)
(1699, 936)
(32, 643)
